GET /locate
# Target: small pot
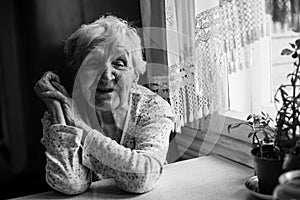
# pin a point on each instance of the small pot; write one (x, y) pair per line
(268, 169)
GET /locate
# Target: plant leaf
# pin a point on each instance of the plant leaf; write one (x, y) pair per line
(293, 45)
(297, 42)
(295, 55)
(249, 117)
(231, 126)
(250, 134)
(286, 52)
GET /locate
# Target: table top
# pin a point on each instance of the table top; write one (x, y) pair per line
(207, 178)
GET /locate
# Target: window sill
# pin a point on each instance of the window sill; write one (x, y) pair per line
(195, 142)
(240, 133)
(234, 116)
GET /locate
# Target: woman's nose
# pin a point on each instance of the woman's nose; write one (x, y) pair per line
(108, 74)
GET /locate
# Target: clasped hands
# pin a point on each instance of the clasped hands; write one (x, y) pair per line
(58, 102)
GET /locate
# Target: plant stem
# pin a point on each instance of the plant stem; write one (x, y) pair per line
(294, 100)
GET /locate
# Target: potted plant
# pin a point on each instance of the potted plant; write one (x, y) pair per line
(267, 162)
(276, 149)
(288, 116)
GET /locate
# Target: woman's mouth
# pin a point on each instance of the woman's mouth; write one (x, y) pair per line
(104, 90)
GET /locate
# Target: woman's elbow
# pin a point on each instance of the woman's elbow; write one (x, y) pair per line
(67, 186)
(140, 184)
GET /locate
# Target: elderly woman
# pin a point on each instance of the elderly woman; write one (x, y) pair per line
(111, 127)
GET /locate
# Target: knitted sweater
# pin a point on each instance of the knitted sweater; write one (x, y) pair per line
(136, 163)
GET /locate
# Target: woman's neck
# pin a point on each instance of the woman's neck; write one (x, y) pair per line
(112, 125)
(106, 118)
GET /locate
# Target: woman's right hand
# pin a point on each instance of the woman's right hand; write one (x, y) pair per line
(53, 105)
(72, 118)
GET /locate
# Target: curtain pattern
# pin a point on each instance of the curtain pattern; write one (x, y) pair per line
(183, 83)
(285, 12)
(201, 54)
(243, 22)
(195, 80)
(222, 40)
(209, 62)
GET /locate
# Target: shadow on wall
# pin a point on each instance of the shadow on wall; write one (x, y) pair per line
(32, 43)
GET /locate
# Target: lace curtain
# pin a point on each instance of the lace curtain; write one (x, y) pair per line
(286, 13)
(243, 22)
(201, 54)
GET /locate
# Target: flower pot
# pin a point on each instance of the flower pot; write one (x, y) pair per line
(267, 168)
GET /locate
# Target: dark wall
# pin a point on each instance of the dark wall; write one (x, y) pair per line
(40, 27)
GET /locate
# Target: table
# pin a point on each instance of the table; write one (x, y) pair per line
(207, 178)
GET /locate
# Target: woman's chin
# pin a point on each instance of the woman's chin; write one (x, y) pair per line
(105, 102)
(103, 106)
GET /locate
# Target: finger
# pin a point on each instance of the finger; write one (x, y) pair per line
(65, 102)
(51, 76)
(69, 116)
(61, 88)
(44, 83)
(57, 112)
(61, 114)
(55, 95)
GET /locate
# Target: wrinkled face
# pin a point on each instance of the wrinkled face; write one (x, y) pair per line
(107, 76)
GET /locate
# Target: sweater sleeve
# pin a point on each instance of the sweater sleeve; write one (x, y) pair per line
(137, 170)
(64, 170)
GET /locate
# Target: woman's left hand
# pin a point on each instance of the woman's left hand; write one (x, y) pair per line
(53, 105)
(62, 95)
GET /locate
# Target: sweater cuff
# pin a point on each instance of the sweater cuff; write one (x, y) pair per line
(89, 146)
(65, 136)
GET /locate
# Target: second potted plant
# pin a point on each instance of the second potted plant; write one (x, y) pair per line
(276, 149)
(267, 162)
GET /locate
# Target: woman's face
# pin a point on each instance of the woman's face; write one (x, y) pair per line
(107, 76)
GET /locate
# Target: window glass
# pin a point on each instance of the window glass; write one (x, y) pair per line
(281, 65)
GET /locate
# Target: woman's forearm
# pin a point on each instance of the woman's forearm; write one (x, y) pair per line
(65, 176)
(54, 107)
(64, 170)
(135, 170)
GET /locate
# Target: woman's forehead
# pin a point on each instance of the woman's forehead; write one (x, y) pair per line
(119, 47)
(120, 50)
(122, 45)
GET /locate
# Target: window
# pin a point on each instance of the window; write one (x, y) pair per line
(249, 89)
(252, 90)
(281, 65)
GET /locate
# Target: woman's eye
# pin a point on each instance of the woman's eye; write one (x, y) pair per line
(119, 64)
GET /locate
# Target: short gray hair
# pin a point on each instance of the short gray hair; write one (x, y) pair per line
(89, 36)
